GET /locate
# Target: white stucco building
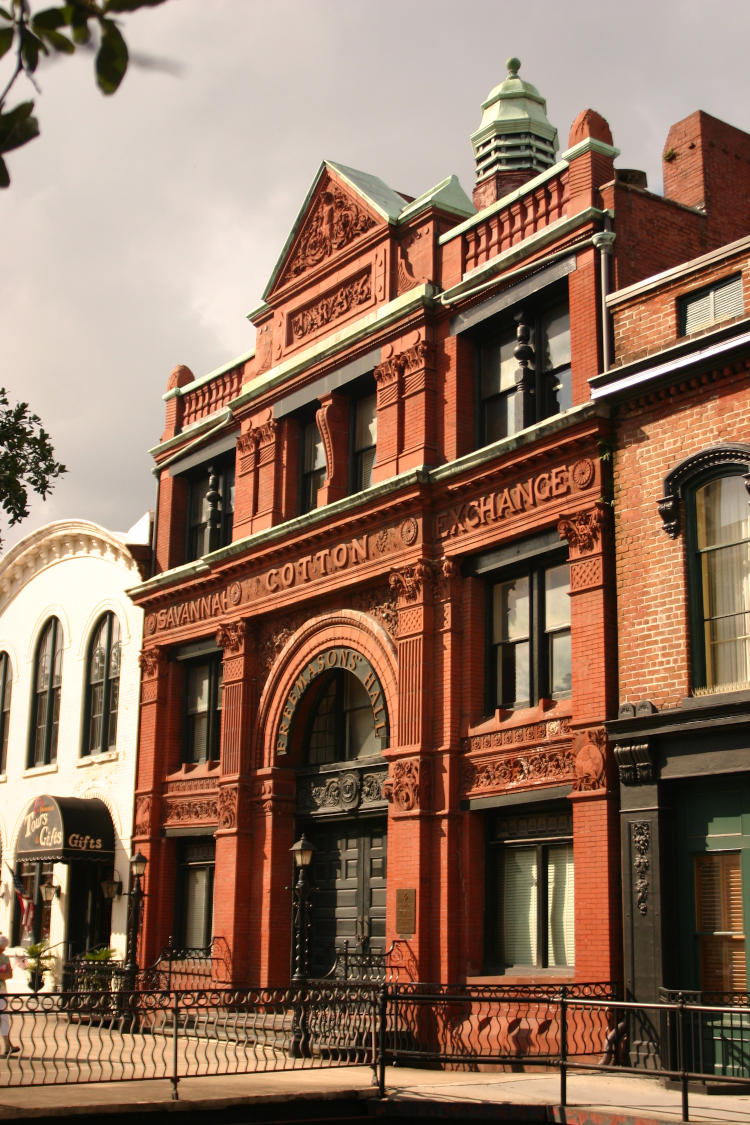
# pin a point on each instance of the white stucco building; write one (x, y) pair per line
(70, 639)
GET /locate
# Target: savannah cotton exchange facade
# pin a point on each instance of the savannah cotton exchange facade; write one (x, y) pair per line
(383, 607)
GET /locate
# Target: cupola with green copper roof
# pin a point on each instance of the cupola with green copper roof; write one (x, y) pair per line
(514, 141)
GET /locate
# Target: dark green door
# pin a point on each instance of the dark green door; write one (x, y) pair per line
(348, 895)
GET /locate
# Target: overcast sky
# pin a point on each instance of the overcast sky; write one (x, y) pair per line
(139, 230)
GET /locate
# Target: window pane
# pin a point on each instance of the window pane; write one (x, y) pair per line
(518, 905)
(499, 366)
(365, 433)
(557, 597)
(314, 452)
(560, 664)
(359, 719)
(555, 338)
(723, 531)
(511, 610)
(719, 922)
(198, 907)
(560, 905)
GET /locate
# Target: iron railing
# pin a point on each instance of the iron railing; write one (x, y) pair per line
(576, 1028)
(104, 1035)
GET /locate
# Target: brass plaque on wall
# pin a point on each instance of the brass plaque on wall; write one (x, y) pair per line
(406, 912)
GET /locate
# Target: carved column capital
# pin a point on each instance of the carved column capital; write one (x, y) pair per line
(583, 530)
(407, 786)
(231, 635)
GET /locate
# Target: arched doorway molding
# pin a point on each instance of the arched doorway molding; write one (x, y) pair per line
(346, 629)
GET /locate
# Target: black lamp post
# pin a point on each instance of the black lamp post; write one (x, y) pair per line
(303, 853)
(137, 868)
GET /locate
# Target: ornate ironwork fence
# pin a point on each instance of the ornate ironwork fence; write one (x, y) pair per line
(111, 1034)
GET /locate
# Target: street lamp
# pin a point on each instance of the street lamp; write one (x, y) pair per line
(49, 890)
(137, 868)
(302, 851)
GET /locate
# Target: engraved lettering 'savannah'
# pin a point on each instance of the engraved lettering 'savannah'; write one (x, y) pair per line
(504, 503)
(307, 568)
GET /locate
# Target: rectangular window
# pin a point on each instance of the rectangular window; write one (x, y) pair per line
(530, 638)
(203, 702)
(718, 923)
(719, 301)
(196, 890)
(365, 429)
(524, 368)
(531, 892)
(313, 465)
(210, 508)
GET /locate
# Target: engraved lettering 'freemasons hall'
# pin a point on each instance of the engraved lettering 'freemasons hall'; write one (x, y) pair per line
(494, 507)
(351, 661)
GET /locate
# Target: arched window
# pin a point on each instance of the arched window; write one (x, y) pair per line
(713, 486)
(102, 686)
(6, 683)
(719, 567)
(45, 716)
(342, 724)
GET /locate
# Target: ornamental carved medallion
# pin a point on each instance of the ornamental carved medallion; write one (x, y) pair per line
(590, 760)
(407, 784)
(347, 791)
(335, 221)
(142, 820)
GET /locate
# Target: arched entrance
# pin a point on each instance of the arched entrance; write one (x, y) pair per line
(338, 728)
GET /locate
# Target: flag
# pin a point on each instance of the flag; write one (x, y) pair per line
(25, 905)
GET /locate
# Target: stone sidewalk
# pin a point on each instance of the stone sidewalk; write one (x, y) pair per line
(593, 1099)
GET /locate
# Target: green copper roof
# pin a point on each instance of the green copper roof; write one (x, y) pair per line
(377, 194)
(514, 131)
(448, 195)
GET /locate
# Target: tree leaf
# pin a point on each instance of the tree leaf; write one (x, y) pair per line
(130, 5)
(59, 42)
(47, 20)
(111, 58)
(4, 176)
(6, 40)
(18, 127)
(30, 47)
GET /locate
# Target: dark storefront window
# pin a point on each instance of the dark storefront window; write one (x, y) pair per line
(530, 919)
(196, 893)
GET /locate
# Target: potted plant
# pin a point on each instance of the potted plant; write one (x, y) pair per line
(97, 971)
(39, 959)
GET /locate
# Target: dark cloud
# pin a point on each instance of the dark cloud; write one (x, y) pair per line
(140, 229)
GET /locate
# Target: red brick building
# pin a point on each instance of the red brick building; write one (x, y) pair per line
(383, 603)
(681, 410)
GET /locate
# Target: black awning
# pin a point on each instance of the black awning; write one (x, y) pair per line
(66, 829)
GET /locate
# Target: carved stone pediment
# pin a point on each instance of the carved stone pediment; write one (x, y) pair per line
(335, 219)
